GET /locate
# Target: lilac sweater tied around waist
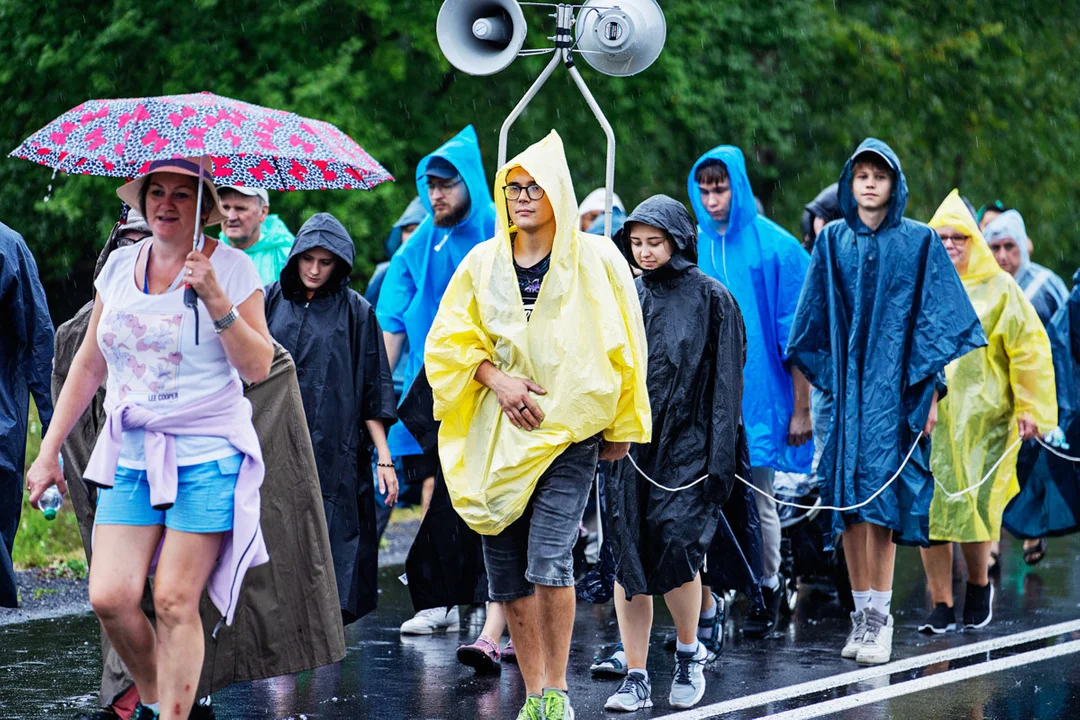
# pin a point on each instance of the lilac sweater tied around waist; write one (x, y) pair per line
(225, 414)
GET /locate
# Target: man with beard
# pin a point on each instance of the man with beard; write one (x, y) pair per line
(454, 189)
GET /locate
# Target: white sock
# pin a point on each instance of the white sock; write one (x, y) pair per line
(710, 613)
(680, 647)
(642, 672)
(880, 600)
(861, 598)
(772, 582)
(156, 707)
(705, 633)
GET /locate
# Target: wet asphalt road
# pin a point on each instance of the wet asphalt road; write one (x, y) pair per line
(50, 668)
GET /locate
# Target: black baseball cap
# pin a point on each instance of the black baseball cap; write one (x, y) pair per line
(441, 168)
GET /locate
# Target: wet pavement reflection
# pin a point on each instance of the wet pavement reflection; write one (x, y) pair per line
(50, 668)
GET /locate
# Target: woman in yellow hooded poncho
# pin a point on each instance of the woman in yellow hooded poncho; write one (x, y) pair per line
(568, 329)
(997, 394)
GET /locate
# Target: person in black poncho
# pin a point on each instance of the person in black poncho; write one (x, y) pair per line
(335, 341)
(659, 537)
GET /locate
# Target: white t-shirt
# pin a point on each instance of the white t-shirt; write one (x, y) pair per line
(149, 345)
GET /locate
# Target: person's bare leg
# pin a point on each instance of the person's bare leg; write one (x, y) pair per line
(427, 489)
(684, 603)
(556, 616)
(183, 568)
(938, 562)
(706, 597)
(121, 560)
(635, 623)
(977, 557)
(523, 616)
(494, 621)
(856, 546)
(881, 557)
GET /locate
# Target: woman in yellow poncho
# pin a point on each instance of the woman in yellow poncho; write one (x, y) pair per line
(538, 349)
(997, 394)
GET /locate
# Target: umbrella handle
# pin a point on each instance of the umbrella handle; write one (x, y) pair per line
(191, 300)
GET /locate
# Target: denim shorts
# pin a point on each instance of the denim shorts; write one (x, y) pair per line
(204, 498)
(538, 547)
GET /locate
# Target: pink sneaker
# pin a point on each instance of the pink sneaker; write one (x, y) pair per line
(483, 655)
(509, 654)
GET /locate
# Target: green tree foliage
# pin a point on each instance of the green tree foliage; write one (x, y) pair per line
(970, 93)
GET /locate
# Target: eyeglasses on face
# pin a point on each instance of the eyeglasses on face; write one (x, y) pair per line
(443, 186)
(513, 191)
(957, 240)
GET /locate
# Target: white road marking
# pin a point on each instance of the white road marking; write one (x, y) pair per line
(844, 679)
(929, 682)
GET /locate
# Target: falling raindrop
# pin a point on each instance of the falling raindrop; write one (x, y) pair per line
(48, 193)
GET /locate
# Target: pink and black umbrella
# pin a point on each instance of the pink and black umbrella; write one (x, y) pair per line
(245, 144)
(249, 145)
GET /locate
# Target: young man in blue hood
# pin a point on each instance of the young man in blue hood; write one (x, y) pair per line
(460, 215)
(881, 315)
(763, 266)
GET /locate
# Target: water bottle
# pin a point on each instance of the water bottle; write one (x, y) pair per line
(51, 501)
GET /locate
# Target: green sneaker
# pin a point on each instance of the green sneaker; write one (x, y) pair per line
(557, 705)
(531, 710)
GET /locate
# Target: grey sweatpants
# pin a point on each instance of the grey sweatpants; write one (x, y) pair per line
(762, 477)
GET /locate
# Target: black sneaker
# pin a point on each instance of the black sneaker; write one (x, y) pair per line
(940, 621)
(714, 644)
(143, 713)
(670, 640)
(978, 606)
(762, 622)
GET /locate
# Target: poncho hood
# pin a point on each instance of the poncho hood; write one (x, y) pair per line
(981, 263)
(584, 343)
(1010, 224)
(897, 199)
(322, 230)
(743, 206)
(671, 216)
(414, 215)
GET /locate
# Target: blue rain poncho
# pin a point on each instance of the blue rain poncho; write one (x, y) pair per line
(1049, 501)
(420, 272)
(763, 267)
(881, 315)
(26, 355)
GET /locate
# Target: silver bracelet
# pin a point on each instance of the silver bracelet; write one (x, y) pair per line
(225, 322)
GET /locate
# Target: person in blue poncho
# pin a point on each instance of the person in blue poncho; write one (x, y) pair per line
(763, 266)
(881, 315)
(26, 355)
(457, 197)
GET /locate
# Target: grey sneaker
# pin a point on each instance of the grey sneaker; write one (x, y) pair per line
(635, 693)
(855, 637)
(877, 643)
(688, 681)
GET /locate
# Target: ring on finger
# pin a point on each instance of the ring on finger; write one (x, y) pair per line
(523, 408)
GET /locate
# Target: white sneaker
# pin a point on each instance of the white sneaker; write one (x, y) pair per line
(854, 640)
(688, 680)
(428, 622)
(877, 643)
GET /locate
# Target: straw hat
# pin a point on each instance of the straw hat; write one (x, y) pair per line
(129, 193)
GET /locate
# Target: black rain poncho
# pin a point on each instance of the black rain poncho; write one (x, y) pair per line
(344, 379)
(881, 314)
(26, 353)
(697, 349)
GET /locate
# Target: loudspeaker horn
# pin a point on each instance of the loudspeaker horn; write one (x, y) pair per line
(620, 37)
(480, 37)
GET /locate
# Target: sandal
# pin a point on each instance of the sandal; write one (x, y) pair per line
(1034, 555)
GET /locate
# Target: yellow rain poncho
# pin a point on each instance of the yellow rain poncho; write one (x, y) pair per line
(989, 390)
(585, 345)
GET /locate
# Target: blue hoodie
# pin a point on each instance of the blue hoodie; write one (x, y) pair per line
(421, 270)
(763, 266)
(882, 313)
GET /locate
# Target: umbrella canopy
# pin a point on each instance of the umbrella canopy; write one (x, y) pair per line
(249, 145)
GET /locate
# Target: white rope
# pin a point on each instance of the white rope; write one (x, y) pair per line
(986, 478)
(1055, 451)
(664, 487)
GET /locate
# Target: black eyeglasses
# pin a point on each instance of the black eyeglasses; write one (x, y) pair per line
(513, 192)
(443, 186)
(954, 239)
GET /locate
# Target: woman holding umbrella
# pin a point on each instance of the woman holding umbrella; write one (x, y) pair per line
(178, 462)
